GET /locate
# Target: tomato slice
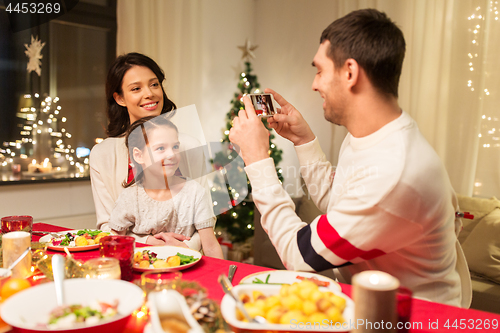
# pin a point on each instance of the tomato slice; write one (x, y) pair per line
(315, 280)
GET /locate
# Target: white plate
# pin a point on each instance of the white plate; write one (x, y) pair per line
(163, 252)
(32, 306)
(47, 238)
(228, 309)
(289, 277)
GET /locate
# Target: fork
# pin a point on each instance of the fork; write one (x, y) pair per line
(232, 270)
(228, 289)
(43, 233)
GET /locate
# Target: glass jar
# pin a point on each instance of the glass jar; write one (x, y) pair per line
(102, 268)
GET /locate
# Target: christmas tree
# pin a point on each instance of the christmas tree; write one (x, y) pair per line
(238, 220)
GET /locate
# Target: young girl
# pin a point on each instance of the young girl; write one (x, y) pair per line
(157, 200)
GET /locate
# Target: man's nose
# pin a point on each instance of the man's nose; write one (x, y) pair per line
(314, 85)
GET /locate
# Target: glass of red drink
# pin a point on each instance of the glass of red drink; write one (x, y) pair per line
(404, 300)
(17, 223)
(121, 248)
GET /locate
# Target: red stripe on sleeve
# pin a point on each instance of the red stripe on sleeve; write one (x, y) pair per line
(340, 246)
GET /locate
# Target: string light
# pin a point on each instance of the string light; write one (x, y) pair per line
(38, 120)
(486, 125)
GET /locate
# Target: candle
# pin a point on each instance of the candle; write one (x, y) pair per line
(13, 245)
(46, 166)
(33, 167)
(374, 294)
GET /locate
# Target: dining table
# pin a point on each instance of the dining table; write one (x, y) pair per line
(426, 316)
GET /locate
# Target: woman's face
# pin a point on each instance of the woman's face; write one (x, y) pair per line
(142, 94)
(161, 156)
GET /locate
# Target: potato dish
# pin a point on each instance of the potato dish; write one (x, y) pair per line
(299, 302)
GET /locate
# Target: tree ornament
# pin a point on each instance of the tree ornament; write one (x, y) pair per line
(247, 52)
(34, 53)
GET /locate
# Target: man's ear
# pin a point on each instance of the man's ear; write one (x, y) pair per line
(351, 73)
(119, 99)
(137, 154)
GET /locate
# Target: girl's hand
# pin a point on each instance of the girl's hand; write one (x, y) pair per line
(153, 241)
(170, 238)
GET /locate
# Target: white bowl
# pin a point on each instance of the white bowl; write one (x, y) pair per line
(228, 309)
(31, 306)
(170, 302)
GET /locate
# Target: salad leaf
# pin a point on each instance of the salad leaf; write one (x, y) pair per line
(92, 233)
(68, 238)
(186, 259)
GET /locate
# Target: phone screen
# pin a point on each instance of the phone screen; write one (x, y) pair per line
(263, 104)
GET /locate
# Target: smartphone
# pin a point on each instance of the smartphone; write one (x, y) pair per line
(264, 104)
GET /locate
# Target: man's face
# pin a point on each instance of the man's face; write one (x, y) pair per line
(327, 82)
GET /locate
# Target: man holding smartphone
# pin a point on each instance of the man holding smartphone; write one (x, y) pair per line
(389, 204)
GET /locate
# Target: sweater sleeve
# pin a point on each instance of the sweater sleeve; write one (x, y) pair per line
(313, 167)
(277, 209)
(102, 198)
(123, 216)
(355, 229)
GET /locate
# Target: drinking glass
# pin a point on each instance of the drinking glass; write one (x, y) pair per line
(17, 223)
(404, 300)
(159, 281)
(121, 248)
(13, 245)
(102, 268)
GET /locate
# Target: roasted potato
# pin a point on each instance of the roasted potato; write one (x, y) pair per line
(81, 241)
(144, 264)
(160, 264)
(174, 261)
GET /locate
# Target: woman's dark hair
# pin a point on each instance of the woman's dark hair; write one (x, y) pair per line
(118, 118)
(374, 41)
(137, 137)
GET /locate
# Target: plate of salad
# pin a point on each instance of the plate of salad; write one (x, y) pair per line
(74, 240)
(164, 258)
(280, 277)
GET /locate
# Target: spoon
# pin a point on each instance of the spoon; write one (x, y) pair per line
(232, 270)
(227, 287)
(21, 257)
(58, 267)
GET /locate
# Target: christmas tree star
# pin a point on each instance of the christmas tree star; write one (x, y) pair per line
(248, 50)
(34, 54)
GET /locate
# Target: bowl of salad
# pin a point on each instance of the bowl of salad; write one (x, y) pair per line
(92, 305)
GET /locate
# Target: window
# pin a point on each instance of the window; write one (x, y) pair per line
(55, 116)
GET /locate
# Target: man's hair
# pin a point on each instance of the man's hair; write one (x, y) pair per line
(374, 41)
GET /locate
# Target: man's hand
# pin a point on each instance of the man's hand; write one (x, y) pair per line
(289, 123)
(250, 134)
(168, 238)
